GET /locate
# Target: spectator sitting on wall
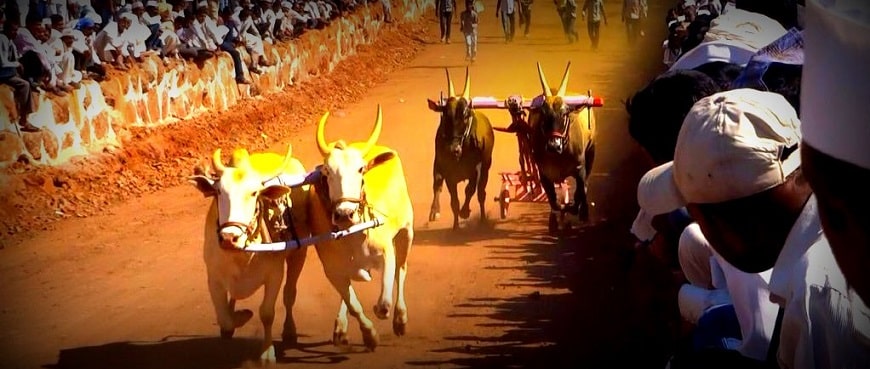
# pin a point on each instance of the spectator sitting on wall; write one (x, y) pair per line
(111, 43)
(86, 56)
(264, 19)
(36, 56)
(230, 42)
(192, 46)
(10, 75)
(69, 77)
(168, 37)
(151, 19)
(253, 42)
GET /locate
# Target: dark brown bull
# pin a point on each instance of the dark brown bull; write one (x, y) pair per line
(463, 151)
(562, 146)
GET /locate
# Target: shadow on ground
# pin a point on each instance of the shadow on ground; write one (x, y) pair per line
(596, 304)
(196, 352)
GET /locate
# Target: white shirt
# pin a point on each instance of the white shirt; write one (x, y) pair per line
(731, 51)
(8, 53)
(825, 324)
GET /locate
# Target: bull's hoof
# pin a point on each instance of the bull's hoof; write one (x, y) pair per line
(456, 226)
(433, 216)
(399, 327)
(227, 334)
(464, 213)
(240, 317)
(371, 340)
(553, 224)
(268, 355)
(382, 311)
(340, 339)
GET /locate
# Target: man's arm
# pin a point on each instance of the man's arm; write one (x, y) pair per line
(603, 14)
(497, 8)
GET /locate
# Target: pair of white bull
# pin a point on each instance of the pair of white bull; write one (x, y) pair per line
(355, 183)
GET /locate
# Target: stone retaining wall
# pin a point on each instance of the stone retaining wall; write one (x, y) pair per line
(98, 116)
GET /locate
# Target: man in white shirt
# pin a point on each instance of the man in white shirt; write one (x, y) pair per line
(507, 10)
(634, 12)
(737, 169)
(111, 43)
(87, 59)
(9, 75)
(835, 153)
(37, 56)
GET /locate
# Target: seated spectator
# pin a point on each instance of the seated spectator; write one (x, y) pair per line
(305, 19)
(253, 42)
(737, 169)
(150, 18)
(264, 19)
(10, 75)
(230, 42)
(168, 36)
(836, 154)
(111, 43)
(69, 78)
(191, 44)
(37, 57)
(86, 55)
(138, 33)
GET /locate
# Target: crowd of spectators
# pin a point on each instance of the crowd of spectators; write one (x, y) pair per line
(52, 45)
(743, 197)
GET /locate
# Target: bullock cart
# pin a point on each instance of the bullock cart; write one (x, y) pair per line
(524, 185)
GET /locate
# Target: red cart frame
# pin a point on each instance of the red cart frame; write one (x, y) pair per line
(525, 185)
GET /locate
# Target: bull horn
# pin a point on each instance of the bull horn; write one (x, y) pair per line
(376, 132)
(544, 83)
(321, 143)
(287, 159)
(564, 85)
(217, 163)
(450, 90)
(466, 93)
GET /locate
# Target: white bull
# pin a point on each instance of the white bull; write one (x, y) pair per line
(362, 181)
(246, 210)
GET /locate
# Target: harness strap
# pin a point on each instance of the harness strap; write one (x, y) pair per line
(288, 218)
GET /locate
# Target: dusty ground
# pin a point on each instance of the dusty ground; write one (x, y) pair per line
(125, 288)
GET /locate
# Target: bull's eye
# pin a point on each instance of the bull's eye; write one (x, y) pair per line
(255, 193)
(361, 169)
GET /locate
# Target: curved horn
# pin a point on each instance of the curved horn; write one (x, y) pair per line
(376, 132)
(466, 93)
(544, 83)
(564, 85)
(286, 163)
(321, 142)
(217, 163)
(450, 90)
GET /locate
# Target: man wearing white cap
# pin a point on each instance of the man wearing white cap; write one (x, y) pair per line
(68, 76)
(718, 293)
(737, 169)
(111, 43)
(836, 132)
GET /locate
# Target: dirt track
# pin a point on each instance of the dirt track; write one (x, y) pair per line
(127, 289)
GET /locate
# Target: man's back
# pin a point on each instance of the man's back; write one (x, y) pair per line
(634, 9)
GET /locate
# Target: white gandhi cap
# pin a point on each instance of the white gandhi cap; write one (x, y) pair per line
(835, 87)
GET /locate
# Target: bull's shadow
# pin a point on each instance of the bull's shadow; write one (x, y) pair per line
(189, 352)
(597, 307)
(441, 233)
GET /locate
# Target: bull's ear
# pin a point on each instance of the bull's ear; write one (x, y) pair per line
(204, 185)
(434, 106)
(380, 159)
(275, 192)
